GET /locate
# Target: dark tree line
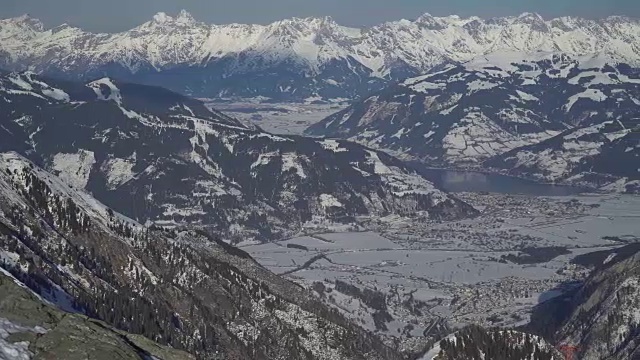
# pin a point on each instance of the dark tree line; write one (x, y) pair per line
(475, 342)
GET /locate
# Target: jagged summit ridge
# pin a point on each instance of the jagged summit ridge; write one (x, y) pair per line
(308, 57)
(183, 18)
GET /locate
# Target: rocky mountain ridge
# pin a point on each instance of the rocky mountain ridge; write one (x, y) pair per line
(599, 319)
(298, 59)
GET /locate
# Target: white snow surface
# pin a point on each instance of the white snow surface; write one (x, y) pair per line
(118, 171)
(113, 94)
(328, 200)
(18, 350)
(332, 145)
(609, 258)
(75, 168)
(592, 94)
(293, 161)
(166, 41)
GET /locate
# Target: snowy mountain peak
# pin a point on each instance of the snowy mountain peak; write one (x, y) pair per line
(439, 23)
(62, 27)
(426, 16)
(329, 60)
(305, 24)
(23, 22)
(531, 15)
(321, 19)
(184, 17)
(26, 19)
(162, 18)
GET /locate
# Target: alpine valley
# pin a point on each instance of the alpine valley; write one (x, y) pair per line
(114, 199)
(137, 221)
(160, 157)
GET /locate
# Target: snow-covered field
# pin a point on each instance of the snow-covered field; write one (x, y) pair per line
(286, 119)
(616, 215)
(455, 270)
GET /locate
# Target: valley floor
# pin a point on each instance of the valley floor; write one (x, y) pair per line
(471, 271)
(278, 118)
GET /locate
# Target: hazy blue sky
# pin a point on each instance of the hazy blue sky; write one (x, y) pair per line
(116, 15)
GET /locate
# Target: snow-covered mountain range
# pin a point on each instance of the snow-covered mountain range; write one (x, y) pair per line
(157, 156)
(297, 59)
(118, 200)
(548, 116)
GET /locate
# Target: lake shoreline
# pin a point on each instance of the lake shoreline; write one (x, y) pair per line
(466, 180)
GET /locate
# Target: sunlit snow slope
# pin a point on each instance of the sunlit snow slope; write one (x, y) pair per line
(297, 59)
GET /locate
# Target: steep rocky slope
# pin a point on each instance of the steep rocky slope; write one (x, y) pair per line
(157, 156)
(297, 59)
(605, 315)
(30, 328)
(599, 318)
(178, 287)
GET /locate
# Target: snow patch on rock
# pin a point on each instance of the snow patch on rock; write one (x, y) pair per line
(74, 168)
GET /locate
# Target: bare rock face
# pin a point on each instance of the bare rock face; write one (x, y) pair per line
(31, 327)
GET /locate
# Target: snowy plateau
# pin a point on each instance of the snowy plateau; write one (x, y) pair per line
(298, 59)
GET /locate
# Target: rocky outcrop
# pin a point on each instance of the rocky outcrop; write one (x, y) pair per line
(30, 328)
